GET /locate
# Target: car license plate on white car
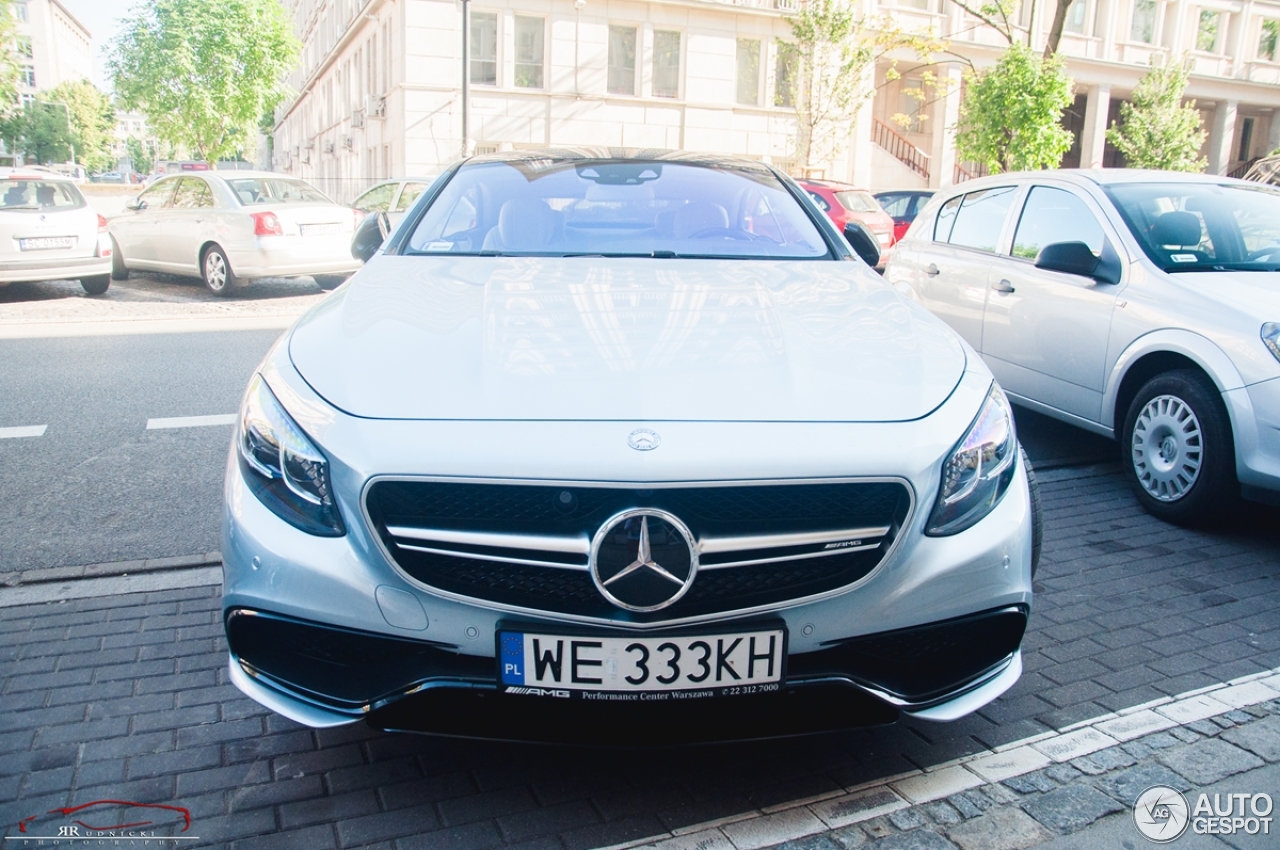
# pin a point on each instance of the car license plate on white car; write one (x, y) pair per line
(320, 229)
(641, 668)
(45, 243)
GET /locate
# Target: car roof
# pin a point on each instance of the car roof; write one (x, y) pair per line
(833, 185)
(1096, 176)
(33, 173)
(541, 158)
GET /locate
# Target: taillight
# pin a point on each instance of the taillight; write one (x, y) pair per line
(359, 215)
(266, 224)
(102, 224)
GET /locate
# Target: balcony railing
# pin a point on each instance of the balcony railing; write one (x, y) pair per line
(900, 147)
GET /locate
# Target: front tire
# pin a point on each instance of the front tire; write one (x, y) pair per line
(1177, 449)
(330, 281)
(216, 272)
(97, 284)
(119, 271)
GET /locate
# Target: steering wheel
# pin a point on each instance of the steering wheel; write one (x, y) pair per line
(1270, 250)
(726, 233)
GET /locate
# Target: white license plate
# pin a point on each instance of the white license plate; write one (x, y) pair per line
(641, 668)
(45, 243)
(320, 229)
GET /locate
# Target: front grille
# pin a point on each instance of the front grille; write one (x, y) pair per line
(527, 546)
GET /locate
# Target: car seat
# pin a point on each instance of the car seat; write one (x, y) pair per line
(1178, 232)
(525, 225)
(15, 197)
(697, 216)
(45, 196)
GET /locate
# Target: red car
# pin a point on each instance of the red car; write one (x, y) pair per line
(842, 203)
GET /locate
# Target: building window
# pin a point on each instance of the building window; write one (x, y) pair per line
(484, 48)
(29, 76)
(786, 70)
(1143, 26)
(1267, 41)
(666, 63)
(20, 12)
(23, 44)
(748, 71)
(1207, 32)
(622, 60)
(1246, 138)
(1076, 14)
(28, 100)
(529, 53)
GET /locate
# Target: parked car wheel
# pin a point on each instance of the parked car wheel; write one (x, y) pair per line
(119, 271)
(330, 281)
(1177, 449)
(97, 284)
(217, 273)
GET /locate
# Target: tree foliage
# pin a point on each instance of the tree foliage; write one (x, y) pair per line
(204, 71)
(73, 120)
(141, 153)
(835, 52)
(1156, 129)
(1010, 118)
(999, 15)
(9, 69)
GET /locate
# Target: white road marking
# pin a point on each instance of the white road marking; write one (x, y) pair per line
(22, 431)
(191, 421)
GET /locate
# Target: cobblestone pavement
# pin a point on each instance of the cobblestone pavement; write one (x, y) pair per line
(126, 697)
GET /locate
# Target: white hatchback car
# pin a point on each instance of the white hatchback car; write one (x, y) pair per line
(1140, 305)
(230, 227)
(49, 232)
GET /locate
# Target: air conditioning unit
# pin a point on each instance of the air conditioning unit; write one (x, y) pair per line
(357, 119)
(375, 106)
(348, 142)
(306, 157)
(329, 146)
(297, 151)
(311, 144)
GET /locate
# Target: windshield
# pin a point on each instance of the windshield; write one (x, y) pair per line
(21, 194)
(558, 208)
(1187, 227)
(275, 190)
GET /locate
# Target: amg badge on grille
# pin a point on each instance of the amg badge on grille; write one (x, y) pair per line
(643, 560)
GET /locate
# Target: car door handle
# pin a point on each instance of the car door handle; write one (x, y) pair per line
(932, 270)
(1002, 286)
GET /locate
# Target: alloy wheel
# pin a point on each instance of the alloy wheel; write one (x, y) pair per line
(1167, 448)
(215, 271)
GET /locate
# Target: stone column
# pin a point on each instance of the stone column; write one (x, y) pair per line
(1094, 135)
(1222, 135)
(946, 112)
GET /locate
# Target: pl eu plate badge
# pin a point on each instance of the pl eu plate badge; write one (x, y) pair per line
(512, 659)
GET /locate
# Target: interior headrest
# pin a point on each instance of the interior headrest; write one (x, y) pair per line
(526, 224)
(697, 216)
(1176, 228)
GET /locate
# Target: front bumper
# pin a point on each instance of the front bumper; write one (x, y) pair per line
(54, 268)
(321, 676)
(1255, 416)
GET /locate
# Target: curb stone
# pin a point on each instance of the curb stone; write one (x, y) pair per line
(110, 568)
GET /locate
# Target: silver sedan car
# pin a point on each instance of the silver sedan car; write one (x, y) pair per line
(231, 227)
(1140, 305)
(614, 447)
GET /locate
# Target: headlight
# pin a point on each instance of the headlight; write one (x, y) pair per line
(1271, 338)
(283, 468)
(977, 474)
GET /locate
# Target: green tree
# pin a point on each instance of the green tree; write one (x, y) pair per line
(998, 14)
(42, 133)
(92, 121)
(204, 71)
(1156, 128)
(1010, 118)
(828, 70)
(141, 154)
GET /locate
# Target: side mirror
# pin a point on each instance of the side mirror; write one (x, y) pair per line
(136, 204)
(370, 235)
(1076, 258)
(863, 243)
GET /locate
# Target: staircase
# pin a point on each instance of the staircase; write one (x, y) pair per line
(900, 148)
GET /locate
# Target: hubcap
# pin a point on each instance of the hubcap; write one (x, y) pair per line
(1168, 448)
(215, 271)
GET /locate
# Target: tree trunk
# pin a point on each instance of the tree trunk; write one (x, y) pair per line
(1055, 31)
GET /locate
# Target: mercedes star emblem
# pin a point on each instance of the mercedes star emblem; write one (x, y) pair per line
(643, 560)
(643, 440)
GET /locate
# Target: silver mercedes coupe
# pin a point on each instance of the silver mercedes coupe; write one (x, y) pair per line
(621, 447)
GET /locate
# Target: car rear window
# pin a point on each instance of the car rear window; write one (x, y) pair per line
(275, 190)
(858, 201)
(569, 207)
(37, 194)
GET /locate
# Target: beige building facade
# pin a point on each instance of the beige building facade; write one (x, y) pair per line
(379, 87)
(52, 47)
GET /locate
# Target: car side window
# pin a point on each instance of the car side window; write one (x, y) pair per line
(946, 219)
(981, 218)
(193, 193)
(1055, 215)
(408, 195)
(820, 201)
(160, 195)
(377, 199)
(895, 205)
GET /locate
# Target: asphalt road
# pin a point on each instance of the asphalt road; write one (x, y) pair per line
(96, 485)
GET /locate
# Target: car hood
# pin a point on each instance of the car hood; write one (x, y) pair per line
(1254, 293)
(522, 338)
